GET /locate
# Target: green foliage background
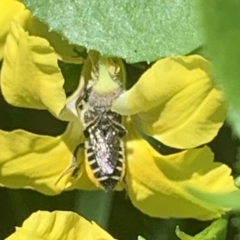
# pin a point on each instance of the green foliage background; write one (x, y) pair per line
(133, 30)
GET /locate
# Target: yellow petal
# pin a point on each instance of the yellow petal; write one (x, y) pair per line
(72, 100)
(179, 104)
(9, 9)
(38, 162)
(22, 18)
(163, 80)
(58, 225)
(157, 184)
(30, 75)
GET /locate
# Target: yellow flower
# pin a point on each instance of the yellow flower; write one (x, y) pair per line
(58, 225)
(15, 11)
(174, 101)
(9, 8)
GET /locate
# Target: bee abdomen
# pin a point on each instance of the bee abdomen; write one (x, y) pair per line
(107, 180)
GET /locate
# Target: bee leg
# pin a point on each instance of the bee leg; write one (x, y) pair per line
(74, 163)
(126, 187)
(74, 166)
(121, 130)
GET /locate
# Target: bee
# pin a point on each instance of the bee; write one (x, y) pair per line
(103, 131)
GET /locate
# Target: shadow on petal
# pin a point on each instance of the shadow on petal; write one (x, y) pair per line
(157, 184)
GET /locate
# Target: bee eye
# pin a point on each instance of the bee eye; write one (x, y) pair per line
(85, 133)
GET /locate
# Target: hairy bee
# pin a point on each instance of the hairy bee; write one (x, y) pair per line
(103, 131)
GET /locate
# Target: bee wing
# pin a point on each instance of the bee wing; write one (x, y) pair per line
(104, 149)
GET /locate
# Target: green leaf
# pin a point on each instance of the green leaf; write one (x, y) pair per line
(134, 30)
(216, 231)
(221, 24)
